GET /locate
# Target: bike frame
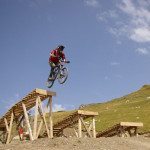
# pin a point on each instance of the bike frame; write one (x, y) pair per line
(58, 73)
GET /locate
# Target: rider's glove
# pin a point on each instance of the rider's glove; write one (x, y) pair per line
(67, 61)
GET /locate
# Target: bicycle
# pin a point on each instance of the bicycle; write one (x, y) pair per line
(60, 73)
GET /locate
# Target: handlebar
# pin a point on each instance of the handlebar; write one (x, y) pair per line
(65, 61)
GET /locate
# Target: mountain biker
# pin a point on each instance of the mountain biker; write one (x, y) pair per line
(56, 56)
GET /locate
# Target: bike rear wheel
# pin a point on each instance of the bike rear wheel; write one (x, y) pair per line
(50, 83)
(63, 75)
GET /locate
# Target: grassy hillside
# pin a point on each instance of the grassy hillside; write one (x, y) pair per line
(134, 107)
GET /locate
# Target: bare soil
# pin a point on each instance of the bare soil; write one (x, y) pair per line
(62, 143)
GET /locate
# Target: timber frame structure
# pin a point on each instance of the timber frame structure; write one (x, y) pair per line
(19, 112)
(122, 129)
(77, 118)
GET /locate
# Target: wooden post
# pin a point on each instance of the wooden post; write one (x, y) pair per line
(10, 128)
(35, 119)
(6, 124)
(27, 121)
(93, 124)
(136, 132)
(79, 127)
(43, 117)
(39, 129)
(50, 117)
(75, 132)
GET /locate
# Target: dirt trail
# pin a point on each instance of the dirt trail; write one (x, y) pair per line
(140, 142)
(114, 143)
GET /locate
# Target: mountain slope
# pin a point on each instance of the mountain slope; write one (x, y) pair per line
(134, 107)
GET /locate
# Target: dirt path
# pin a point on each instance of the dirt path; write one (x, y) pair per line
(114, 143)
(140, 142)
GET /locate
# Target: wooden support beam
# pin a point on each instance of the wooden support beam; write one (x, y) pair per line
(93, 125)
(39, 128)
(20, 123)
(85, 127)
(6, 124)
(50, 117)
(76, 133)
(27, 122)
(79, 127)
(43, 117)
(35, 119)
(10, 128)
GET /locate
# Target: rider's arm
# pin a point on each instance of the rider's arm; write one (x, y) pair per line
(52, 54)
(63, 57)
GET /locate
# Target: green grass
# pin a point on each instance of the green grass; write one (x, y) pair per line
(134, 107)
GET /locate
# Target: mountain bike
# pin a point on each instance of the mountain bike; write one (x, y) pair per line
(60, 73)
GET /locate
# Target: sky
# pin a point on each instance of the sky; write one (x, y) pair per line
(107, 43)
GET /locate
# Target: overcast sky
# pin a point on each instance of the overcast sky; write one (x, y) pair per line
(107, 42)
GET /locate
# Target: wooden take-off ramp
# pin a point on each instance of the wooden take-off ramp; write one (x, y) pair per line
(19, 112)
(121, 129)
(74, 118)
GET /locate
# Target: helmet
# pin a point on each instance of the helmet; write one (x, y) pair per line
(61, 47)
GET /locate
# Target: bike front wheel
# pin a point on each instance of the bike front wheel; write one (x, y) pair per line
(63, 75)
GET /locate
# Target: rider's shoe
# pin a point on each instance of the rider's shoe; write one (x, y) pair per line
(50, 79)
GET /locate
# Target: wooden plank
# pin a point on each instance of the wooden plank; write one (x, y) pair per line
(27, 122)
(10, 128)
(79, 128)
(50, 117)
(35, 119)
(90, 113)
(135, 124)
(44, 92)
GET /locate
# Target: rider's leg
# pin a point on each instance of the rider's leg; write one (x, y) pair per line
(52, 65)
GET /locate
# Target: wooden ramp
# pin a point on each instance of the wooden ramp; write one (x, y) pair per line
(76, 117)
(121, 129)
(19, 110)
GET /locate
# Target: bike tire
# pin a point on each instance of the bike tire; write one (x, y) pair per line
(63, 77)
(49, 83)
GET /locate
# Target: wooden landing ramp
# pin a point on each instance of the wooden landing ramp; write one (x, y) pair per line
(121, 129)
(20, 109)
(76, 117)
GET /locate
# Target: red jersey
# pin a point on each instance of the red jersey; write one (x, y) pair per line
(57, 55)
